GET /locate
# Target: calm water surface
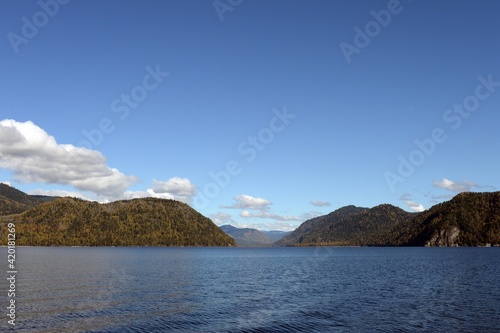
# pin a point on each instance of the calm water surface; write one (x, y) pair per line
(256, 290)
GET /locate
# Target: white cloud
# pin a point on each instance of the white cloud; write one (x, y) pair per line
(310, 215)
(414, 206)
(59, 193)
(244, 201)
(146, 194)
(221, 218)
(268, 215)
(35, 156)
(440, 198)
(320, 203)
(6, 182)
(177, 188)
(455, 186)
(282, 223)
(276, 225)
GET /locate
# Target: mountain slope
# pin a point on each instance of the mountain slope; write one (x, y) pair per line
(469, 219)
(18, 196)
(138, 222)
(247, 236)
(8, 206)
(13, 201)
(313, 230)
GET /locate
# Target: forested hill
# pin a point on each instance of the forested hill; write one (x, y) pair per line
(138, 222)
(13, 201)
(352, 226)
(469, 219)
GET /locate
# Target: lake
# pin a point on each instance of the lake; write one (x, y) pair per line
(256, 290)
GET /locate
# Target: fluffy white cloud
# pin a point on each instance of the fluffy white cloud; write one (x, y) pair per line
(414, 206)
(59, 193)
(222, 218)
(175, 188)
(320, 203)
(275, 225)
(145, 194)
(455, 186)
(268, 215)
(6, 182)
(244, 201)
(35, 156)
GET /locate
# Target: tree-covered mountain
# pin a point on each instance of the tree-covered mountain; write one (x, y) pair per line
(469, 219)
(247, 236)
(138, 222)
(348, 226)
(13, 201)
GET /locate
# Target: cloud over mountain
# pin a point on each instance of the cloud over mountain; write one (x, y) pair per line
(244, 201)
(179, 188)
(317, 203)
(412, 205)
(457, 187)
(268, 215)
(35, 156)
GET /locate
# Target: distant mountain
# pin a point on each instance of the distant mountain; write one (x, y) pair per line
(349, 226)
(247, 236)
(469, 219)
(138, 222)
(43, 198)
(276, 235)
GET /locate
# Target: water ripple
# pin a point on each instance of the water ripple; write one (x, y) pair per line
(258, 290)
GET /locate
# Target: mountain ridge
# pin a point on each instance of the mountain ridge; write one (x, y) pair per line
(468, 219)
(137, 222)
(247, 236)
(13, 201)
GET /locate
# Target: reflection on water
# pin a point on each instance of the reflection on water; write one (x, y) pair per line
(257, 290)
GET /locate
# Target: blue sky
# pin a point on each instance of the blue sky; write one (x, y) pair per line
(257, 113)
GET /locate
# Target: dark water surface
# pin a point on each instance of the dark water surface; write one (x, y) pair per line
(256, 290)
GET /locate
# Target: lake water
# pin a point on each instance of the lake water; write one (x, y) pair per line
(256, 290)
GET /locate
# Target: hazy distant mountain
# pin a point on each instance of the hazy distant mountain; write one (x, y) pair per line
(43, 198)
(247, 236)
(141, 222)
(469, 219)
(276, 235)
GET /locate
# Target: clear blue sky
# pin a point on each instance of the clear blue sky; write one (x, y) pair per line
(350, 103)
